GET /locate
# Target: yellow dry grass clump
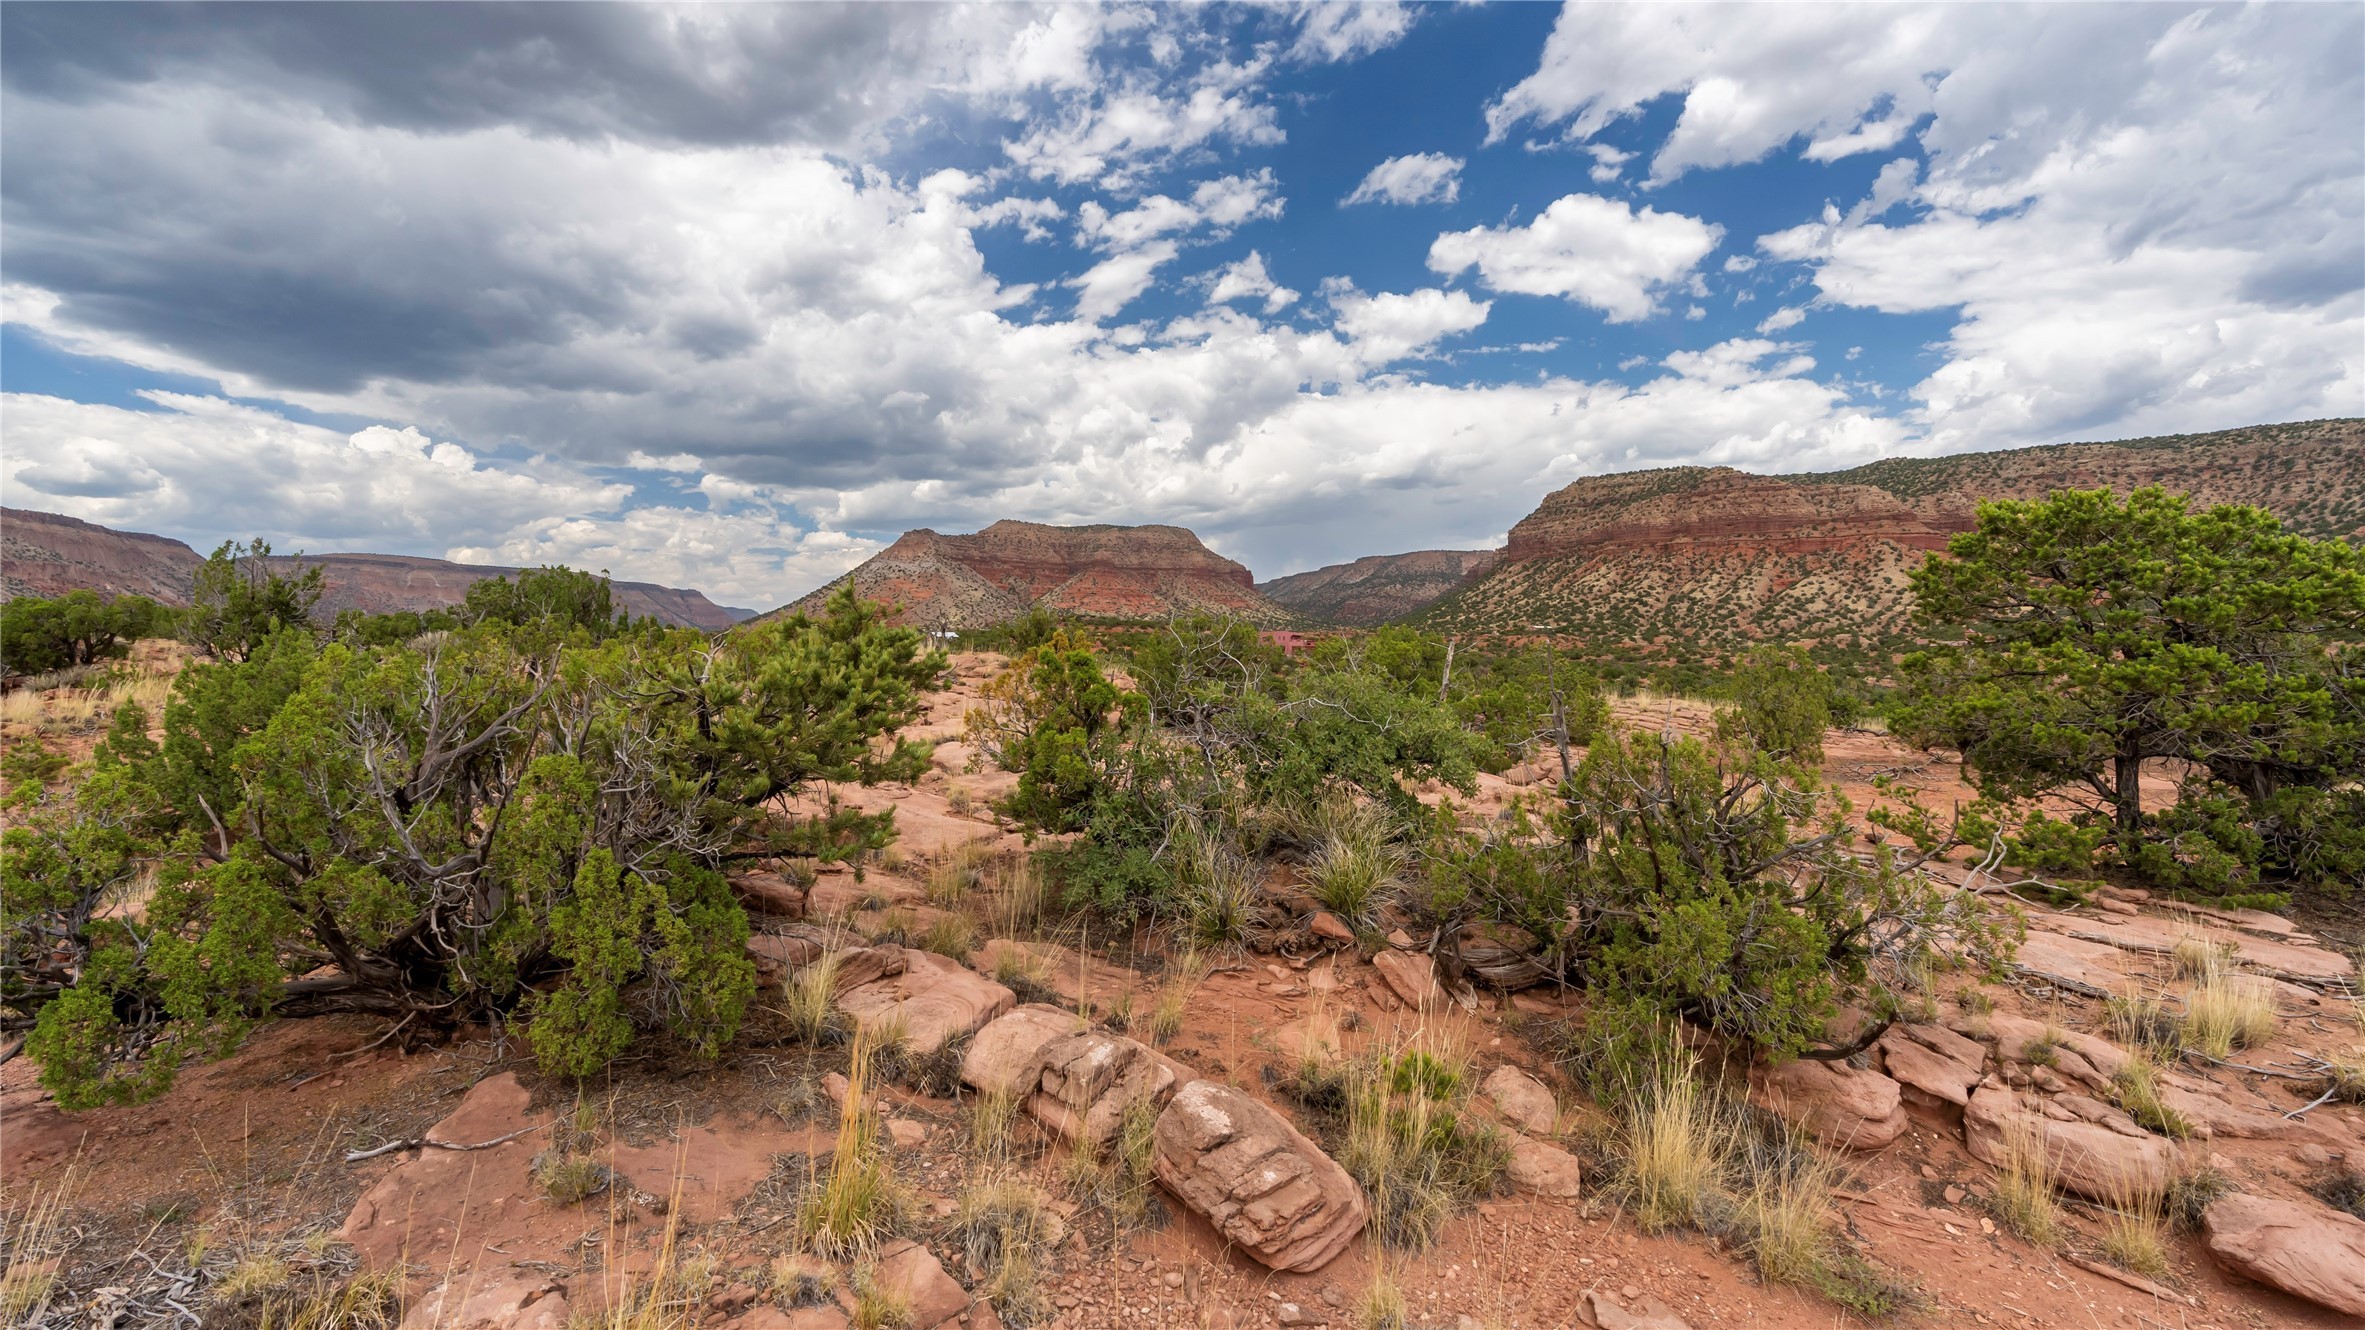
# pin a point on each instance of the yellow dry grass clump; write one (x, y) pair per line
(859, 1203)
(2227, 1010)
(2024, 1195)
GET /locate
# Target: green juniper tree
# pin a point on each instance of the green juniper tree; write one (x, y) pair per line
(502, 820)
(2095, 635)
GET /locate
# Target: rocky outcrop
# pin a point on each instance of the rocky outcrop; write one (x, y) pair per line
(44, 554)
(2308, 1251)
(1086, 1082)
(995, 575)
(1706, 558)
(931, 1000)
(2100, 1159)
(1378, 587)
(1835, 1103)
(1262, 1185)
(1934, 1066)
(1002, 1058)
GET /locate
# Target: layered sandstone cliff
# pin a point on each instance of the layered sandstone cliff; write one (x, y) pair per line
(1378, 587)
(1693, 560)
(995, 575)
(44, 554)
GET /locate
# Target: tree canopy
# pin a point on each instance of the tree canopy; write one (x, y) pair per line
(2093, 634)
(500, 820)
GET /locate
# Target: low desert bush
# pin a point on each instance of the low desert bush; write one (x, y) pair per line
(993, 1115)
(1020, 898)
(951, 880)
(950, 935)
(33, 1233)
(2145, 1022)
(1222, 902)
(797, 1280)
(2137, 1088)
(1408, 1138)
(2189, 1196)
(1356, 868)
(1382, 1306)
(2195, 956)
(569, 1178)
(367, 1301)
(877, 1307)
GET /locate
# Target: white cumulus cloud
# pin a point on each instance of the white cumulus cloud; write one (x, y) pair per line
(1589, 249)
(1421, 177)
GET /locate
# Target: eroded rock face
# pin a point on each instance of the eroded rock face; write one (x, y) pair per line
(1257, 1179)
(2094, 1159)
(765, 892)
(1002, 1056)
(1934, 1065)
(1833, 1102)
(2309, 1251)
(993, 576)
(1087, 1081)
(932, 1000)
(1378, 587)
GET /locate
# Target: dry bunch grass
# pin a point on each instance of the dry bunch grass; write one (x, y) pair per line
(2024, 1194)
(1675, 1145)
(2134, 1227)
(2227, 1010)
(859, 1203)
(809, 1000)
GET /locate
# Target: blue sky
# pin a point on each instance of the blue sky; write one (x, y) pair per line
(728, 297)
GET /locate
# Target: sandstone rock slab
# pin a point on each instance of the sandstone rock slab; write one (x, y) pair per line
(1001, 1057)
(1412, 976)
(768, 893)
(932, 1001)
(1835, 1103)
(2088, 1158)
(910, 1271)
(2307, 1250)
(1546, 1170)
(491, 1300)
(1087, 1081)
(1256, 1179)
(1923, 1071)
(1524, 1101)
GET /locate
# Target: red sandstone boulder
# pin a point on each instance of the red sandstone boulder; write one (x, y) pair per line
(932, 1000)
(1087, 1081)
(2309, 1251)
(1546, 1170)
(1523, 1100)
(2090, 1158)
(1934, 1065)
(1002, 1056)
(1412, 975)
(1258, 1180)
(1833, 1102)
